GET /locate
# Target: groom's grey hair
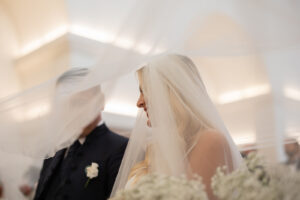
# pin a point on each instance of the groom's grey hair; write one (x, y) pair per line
(67, 82)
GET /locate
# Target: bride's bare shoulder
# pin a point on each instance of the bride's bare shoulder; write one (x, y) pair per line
(211, 136)
(210, 140)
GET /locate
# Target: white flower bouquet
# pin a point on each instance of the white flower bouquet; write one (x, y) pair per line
(162, 187)
(256, 181)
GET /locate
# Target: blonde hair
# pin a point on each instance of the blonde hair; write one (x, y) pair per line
(140, 169)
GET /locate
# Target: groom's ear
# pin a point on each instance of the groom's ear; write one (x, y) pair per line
(98, 119)
(90, 127)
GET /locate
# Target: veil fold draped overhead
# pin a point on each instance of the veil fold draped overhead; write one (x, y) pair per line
(45, 118)
(193, 28)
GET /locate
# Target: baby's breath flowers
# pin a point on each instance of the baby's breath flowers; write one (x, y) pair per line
(255, 180)
(163, 187)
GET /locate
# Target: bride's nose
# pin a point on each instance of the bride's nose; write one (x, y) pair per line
(141, 102)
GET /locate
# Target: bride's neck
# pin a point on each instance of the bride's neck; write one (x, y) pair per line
(188, 129)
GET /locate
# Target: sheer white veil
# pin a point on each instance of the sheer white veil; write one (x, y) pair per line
(50, 116)
(180, 111)
(39, 130)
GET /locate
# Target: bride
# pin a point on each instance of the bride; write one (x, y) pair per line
(179, 130)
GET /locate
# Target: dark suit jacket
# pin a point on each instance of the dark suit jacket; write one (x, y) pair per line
(102, 147)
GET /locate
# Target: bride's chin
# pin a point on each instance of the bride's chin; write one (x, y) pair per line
(148, 123)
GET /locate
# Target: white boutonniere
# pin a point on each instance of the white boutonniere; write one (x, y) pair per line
(91, 172)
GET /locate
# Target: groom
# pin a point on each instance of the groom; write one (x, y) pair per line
(64, 176)
(88, 168)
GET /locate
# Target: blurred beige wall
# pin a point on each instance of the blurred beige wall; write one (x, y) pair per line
(26, 26)
(9, 83)
(33, 19)
(44, 64)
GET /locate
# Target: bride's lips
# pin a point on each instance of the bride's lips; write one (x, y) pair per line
(146, 112)
(148, 121)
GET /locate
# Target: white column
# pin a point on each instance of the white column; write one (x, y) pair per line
(276, 65)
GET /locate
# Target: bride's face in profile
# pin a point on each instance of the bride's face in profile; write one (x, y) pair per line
(141, 103)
